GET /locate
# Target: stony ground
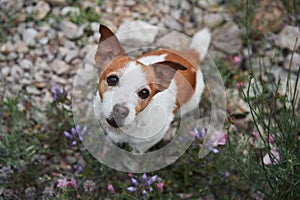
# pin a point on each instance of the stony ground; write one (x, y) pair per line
(45, 42)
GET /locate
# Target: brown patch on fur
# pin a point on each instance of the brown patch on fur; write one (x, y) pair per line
(151, 79)
(113, 68)
(185, 79)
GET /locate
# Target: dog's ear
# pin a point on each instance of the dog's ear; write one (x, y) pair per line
(109, 47)
(164, 72)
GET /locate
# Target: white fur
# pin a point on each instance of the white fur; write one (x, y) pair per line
(148, 60)
(201, 41)
(194, 101)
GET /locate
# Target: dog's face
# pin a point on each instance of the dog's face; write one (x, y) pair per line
(127, 86)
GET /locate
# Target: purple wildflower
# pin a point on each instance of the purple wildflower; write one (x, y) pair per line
(59, 95)
(76, 134)
(79, 168)
(62, 183)
(199, 137)
(226, 174)
(143, 186)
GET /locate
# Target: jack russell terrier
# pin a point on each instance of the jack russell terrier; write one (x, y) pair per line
(137, 99)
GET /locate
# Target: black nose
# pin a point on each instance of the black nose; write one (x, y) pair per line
(120, 111)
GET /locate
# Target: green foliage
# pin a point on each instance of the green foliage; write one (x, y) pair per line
(89, 15)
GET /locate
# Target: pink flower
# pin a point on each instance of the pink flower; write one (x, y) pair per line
(274, 159)
(111, 188)
(62, 183)
(130, 174)
(236, 60)
(255, 134)
(73, 184)
(239, 84)
(222, 139)
(160, 186)
(272, 138)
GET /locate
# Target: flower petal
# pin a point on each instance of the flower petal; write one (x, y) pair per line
(275, 158)
(131, 189)
(134, 182)
(151, 180)
(144, 178)
(68, 135)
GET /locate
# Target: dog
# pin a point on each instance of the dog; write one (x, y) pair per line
(137, 99)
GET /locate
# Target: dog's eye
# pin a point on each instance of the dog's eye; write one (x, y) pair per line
(112, 80)
(144, 93)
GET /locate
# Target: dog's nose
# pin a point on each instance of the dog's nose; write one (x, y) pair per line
(120, 111)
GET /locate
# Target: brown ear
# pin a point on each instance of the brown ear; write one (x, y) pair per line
(165, 71)
(109, 47)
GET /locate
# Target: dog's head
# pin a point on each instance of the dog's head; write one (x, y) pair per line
(127, 86)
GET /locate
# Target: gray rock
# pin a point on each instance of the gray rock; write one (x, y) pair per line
(33, 90)
(51, 34)
(25, 81)
(41, 9)
(71, 30)
(60, 67)
(44, 41)
(28, 36)
(213, 19)
(5, 71)
(21, 47)
(71, 54)
(174, 40)
(16, 71)
(39, 76)
(95, 26)
(287, 37)
(5, 174)
(227, 38)
(57, 79)
(185, 5)
(176, 14)
(236, 104)
(171, 23)
(2, 57)
(69, 44)
(295, 65)
(154, 20)
(7, 48)
(280, 73)
(26, 64)
(68, 9)
(136, 32)
(12, 56)
(21, 27)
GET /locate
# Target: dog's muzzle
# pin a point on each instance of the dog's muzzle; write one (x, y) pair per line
(119, 114)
